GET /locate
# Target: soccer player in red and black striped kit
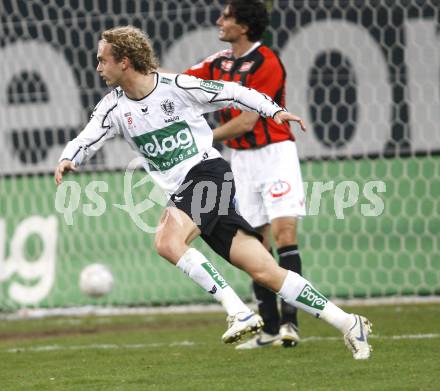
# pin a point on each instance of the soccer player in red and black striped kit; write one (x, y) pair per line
(264, 158)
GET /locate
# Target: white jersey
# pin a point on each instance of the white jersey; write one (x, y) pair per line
(167, 126)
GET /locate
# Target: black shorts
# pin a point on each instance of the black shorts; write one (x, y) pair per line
(207, 197)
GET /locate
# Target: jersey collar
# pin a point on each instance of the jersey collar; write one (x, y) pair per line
(254, 46)
(156, 82)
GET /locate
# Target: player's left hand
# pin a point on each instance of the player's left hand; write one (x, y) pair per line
(283, 116)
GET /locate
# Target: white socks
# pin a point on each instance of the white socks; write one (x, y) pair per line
(296, 290)
(299, 292)
(202, 272)
(337, 317)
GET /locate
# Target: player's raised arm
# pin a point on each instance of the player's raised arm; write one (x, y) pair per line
(213, 95)
(248, 99)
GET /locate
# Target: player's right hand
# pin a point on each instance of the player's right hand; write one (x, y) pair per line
(63, 166)
(284, 116)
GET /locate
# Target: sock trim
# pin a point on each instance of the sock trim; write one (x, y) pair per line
(288, 250)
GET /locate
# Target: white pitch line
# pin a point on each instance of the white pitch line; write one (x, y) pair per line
(37, 313)
(51, 348)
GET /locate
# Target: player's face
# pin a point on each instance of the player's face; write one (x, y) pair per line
(229, 29)
(108, 68)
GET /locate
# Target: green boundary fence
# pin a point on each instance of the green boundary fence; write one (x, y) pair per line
(396, 252)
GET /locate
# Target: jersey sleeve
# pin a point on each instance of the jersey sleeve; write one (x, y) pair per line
(99, 129)
(212, 95)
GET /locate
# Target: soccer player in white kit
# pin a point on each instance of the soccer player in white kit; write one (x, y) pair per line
(176, 143)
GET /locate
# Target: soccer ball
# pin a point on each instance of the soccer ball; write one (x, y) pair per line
(96, 280)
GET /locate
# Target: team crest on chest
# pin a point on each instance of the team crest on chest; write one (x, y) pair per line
(167, 106)
(226, 65)
(246, 66)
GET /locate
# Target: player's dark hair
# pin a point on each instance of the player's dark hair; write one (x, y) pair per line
(251, 13)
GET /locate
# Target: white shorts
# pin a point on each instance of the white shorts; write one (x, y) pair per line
(269, 183)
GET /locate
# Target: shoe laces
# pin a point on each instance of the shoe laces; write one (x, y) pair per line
(230, 319)
(290, 326)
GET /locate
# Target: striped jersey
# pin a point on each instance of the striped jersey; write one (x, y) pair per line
(166, 127)
(260, 69)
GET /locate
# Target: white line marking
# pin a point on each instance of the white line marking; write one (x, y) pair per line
(37, 313)
(51, 348)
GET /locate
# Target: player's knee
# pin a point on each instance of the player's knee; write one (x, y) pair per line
(285, 236)
(164, 247)
(261, 277)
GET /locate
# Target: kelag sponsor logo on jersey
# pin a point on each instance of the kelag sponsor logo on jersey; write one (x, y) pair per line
(166, 147)
(211, 85)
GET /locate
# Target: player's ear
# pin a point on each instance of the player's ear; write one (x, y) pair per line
(125, 63)
(244, 29)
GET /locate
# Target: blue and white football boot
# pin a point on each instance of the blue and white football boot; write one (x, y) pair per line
(356, 338)
(241, 324)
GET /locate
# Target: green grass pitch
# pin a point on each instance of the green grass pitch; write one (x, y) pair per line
(184, 352)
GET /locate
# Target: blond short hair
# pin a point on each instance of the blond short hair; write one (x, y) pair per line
(133, 43)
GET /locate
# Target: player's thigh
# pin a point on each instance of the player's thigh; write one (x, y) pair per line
(282, 187)
(248, 193)
(176, 230)
(250, 204)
